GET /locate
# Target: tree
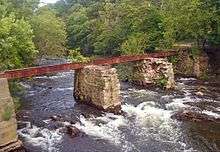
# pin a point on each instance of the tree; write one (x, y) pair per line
(112, 27)
(135, 44)
(16, 46)
(23, 8)
(189, 20)
(49, 31)
(79, 29)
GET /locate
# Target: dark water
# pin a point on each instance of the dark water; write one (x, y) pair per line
(145, 126)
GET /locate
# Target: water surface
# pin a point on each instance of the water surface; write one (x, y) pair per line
(145, 126)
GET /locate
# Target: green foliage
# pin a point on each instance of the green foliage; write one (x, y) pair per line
(16, 91)
(135, 44)
(131, 27)
(7, 114)
(173, 59)
(15, 88)
(190, 20)
(204, 76)
(162, 81)
(194, 52)
(23, 8)
(125, 71)
(103, 27)
(49, 31)
(16, 46)
(78, 28)
(116, 27)
(75, 56)
(17, 103)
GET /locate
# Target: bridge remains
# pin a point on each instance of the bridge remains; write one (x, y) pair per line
(154, 71)
(8, 124)
(98, 86)
(96, 83)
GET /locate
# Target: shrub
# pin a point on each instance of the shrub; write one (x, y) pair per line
(76, 56)
(162, 81)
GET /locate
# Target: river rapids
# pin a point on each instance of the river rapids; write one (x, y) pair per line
(153, 120)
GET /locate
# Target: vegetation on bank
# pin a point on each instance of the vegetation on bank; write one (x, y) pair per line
(17, 91)
(78, 28)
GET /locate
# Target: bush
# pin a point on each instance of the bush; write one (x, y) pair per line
(162, 81)
(125, 71)
(76, 56)
(135, 44)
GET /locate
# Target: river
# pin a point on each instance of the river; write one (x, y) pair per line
(146, 125)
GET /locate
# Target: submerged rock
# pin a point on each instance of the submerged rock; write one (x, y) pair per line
(56, 118)
(66, 126)
(194, 117)
(73, 131)
(199, 93)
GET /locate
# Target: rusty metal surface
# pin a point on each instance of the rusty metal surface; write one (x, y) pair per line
(33, 71)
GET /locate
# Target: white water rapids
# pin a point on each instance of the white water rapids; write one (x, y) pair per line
(146, 124)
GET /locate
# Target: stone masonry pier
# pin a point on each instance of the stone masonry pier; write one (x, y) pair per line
(98, 86)
(94, 84)
(153, 71)
(8, 124)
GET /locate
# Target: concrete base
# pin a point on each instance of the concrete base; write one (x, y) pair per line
(98, 86)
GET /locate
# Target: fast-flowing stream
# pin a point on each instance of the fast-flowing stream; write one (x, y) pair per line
(146, 125)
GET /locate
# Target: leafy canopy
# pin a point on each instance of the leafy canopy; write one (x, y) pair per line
(16, 46)
(49, 31)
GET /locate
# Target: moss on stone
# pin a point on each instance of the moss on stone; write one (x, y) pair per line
(7, 114)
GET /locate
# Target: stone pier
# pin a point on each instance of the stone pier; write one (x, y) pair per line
(191, 65)
(8, 124)
(154, 71)
(98, 86)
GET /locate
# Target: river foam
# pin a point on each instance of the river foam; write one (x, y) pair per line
(145, 124)
(41, 137)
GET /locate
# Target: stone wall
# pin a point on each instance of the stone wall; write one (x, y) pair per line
(8, 124)
(98, 86)
(154, 71)
(189, 65)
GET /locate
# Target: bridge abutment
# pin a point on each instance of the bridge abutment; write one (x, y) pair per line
(156, 71)
(98, 86)
(8, 124)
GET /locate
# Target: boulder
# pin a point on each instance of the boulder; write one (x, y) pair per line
(73, 131)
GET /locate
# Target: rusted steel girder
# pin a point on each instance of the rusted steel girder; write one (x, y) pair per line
(34, 71)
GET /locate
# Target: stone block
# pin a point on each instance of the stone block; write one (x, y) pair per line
(8, 124)
(188, 65)
(6, 105)
(153, 70)
(8, 132)
(16, 146)
(98, 86)
(4, 90)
